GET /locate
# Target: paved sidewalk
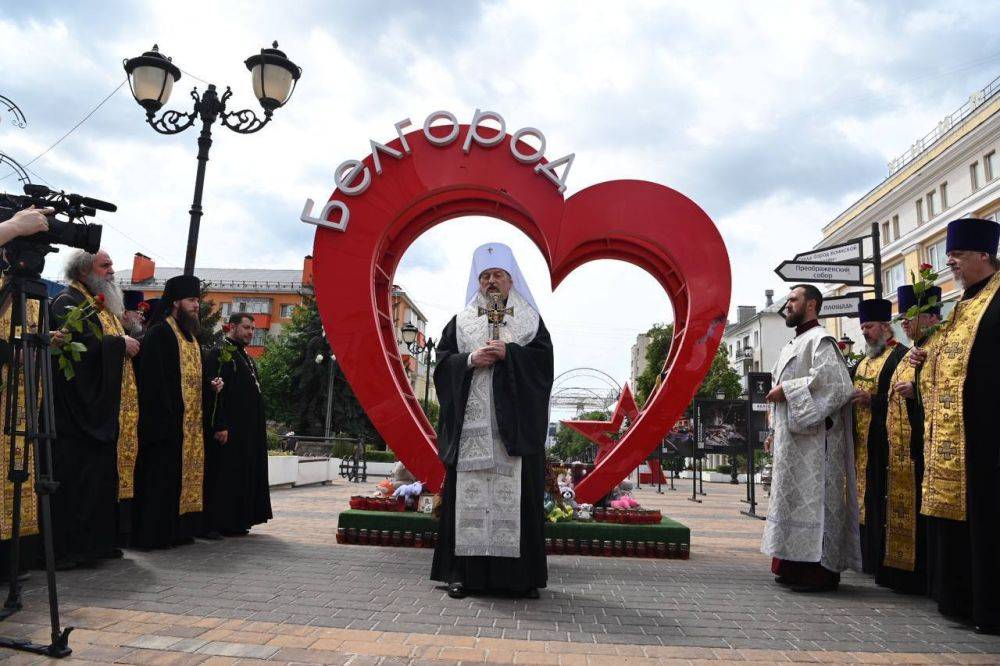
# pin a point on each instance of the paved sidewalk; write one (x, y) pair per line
(288, 593)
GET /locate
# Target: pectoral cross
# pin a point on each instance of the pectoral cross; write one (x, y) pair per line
(495, 314)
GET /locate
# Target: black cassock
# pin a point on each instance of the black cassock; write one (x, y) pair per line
(522, 383)
(85, 453)
(236, 490)
(876, 474)
(156, 522)
(964, 557)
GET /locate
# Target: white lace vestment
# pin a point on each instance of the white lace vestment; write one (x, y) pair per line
(813, 512)
(488, 490)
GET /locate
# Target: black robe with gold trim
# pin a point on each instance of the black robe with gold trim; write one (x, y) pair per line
(964, 555)
(874, 479)
(169, 469)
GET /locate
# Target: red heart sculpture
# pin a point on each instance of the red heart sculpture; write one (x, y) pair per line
(643, 223)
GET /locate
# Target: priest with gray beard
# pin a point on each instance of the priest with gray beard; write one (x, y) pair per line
(96, 415)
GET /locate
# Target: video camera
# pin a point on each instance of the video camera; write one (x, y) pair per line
(26, 255)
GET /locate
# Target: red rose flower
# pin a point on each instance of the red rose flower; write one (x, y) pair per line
(842, 346)
(143, 307)
(226, 328)
(926, 267)
(99, 302)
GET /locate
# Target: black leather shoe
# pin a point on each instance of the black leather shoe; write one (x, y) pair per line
(532, 593)
(456, 591)
(809, 589)
(990, 629)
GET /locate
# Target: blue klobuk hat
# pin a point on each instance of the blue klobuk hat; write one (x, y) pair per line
(906, 298)
(974, 235)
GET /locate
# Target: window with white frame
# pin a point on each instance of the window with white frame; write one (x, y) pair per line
(885, 233)
(226, 309)
(944, 195)
(892, 277)
(287, 309)
(930, 205)
(974, 175)
(259, 337)
(252, 305)
(920, 211)
(936, 256)
(989, 165)
(895, 227)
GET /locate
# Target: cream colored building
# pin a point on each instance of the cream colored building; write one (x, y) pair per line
(952, 172)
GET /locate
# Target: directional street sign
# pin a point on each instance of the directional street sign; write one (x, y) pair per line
(811, 271)
(849, 251)
(841, 306)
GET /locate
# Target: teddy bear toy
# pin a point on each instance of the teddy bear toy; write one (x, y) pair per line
(584, 512)
(568, 496)
(409, 492)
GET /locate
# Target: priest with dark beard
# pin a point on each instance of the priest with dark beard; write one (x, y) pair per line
(173, 394)
(237, 496)
(493, 378)
(96, 412)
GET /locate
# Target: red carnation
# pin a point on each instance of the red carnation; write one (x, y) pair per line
(143, 307)
(926, 267)
(226, 328)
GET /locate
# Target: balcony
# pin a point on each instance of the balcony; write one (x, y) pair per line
(261, 320)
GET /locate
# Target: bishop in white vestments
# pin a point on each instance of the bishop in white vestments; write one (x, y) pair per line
(493, 379)
(812, 523)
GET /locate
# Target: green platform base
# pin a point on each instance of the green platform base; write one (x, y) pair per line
(675, 536)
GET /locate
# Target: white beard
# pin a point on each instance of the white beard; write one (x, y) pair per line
(114, 299)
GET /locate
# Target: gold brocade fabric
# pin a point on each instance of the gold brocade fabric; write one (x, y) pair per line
(942, 383)
(193, 450)
(865, 379)
(901, 512)
(29, 504)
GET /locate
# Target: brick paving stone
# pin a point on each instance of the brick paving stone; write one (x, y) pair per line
(287, 593)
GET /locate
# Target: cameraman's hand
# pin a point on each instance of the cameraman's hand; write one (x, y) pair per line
(30, 221)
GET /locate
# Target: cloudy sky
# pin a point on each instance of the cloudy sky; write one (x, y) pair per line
(773, 116)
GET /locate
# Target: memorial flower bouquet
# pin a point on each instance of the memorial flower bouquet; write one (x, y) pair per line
(67, 350)
(225, 356)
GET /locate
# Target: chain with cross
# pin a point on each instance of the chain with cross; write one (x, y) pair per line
(495, 314)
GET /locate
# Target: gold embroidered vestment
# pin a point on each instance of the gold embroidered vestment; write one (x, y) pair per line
(942, 384)
(901, 511)
(865, 379)
(193, 448)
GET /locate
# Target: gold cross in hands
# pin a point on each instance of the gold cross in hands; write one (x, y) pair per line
(495, 314)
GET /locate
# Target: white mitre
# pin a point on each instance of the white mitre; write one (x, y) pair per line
(497, 255)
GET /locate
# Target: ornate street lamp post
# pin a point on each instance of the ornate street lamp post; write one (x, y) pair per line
(410, 333)
(320, 359)
(152, 77)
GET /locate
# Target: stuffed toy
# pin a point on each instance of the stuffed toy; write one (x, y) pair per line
(568, 496)
(559, 514)
(624, 502)
(409, 492)
(401, 476)
(385, 488)
(584, 512)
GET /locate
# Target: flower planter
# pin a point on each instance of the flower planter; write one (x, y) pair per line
(282, 470)
(311, 471)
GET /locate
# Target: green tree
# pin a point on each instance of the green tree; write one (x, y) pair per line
(571, 445)
(661, 336)
(721, 378)
(295, 386)
(209, 317)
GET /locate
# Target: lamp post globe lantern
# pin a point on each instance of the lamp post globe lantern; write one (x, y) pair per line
(409, 333)
(273, 76)
(151, 78)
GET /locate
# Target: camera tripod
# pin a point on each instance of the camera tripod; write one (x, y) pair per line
(31, 432)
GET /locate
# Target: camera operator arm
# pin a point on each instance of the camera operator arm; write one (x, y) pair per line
(25, 222)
